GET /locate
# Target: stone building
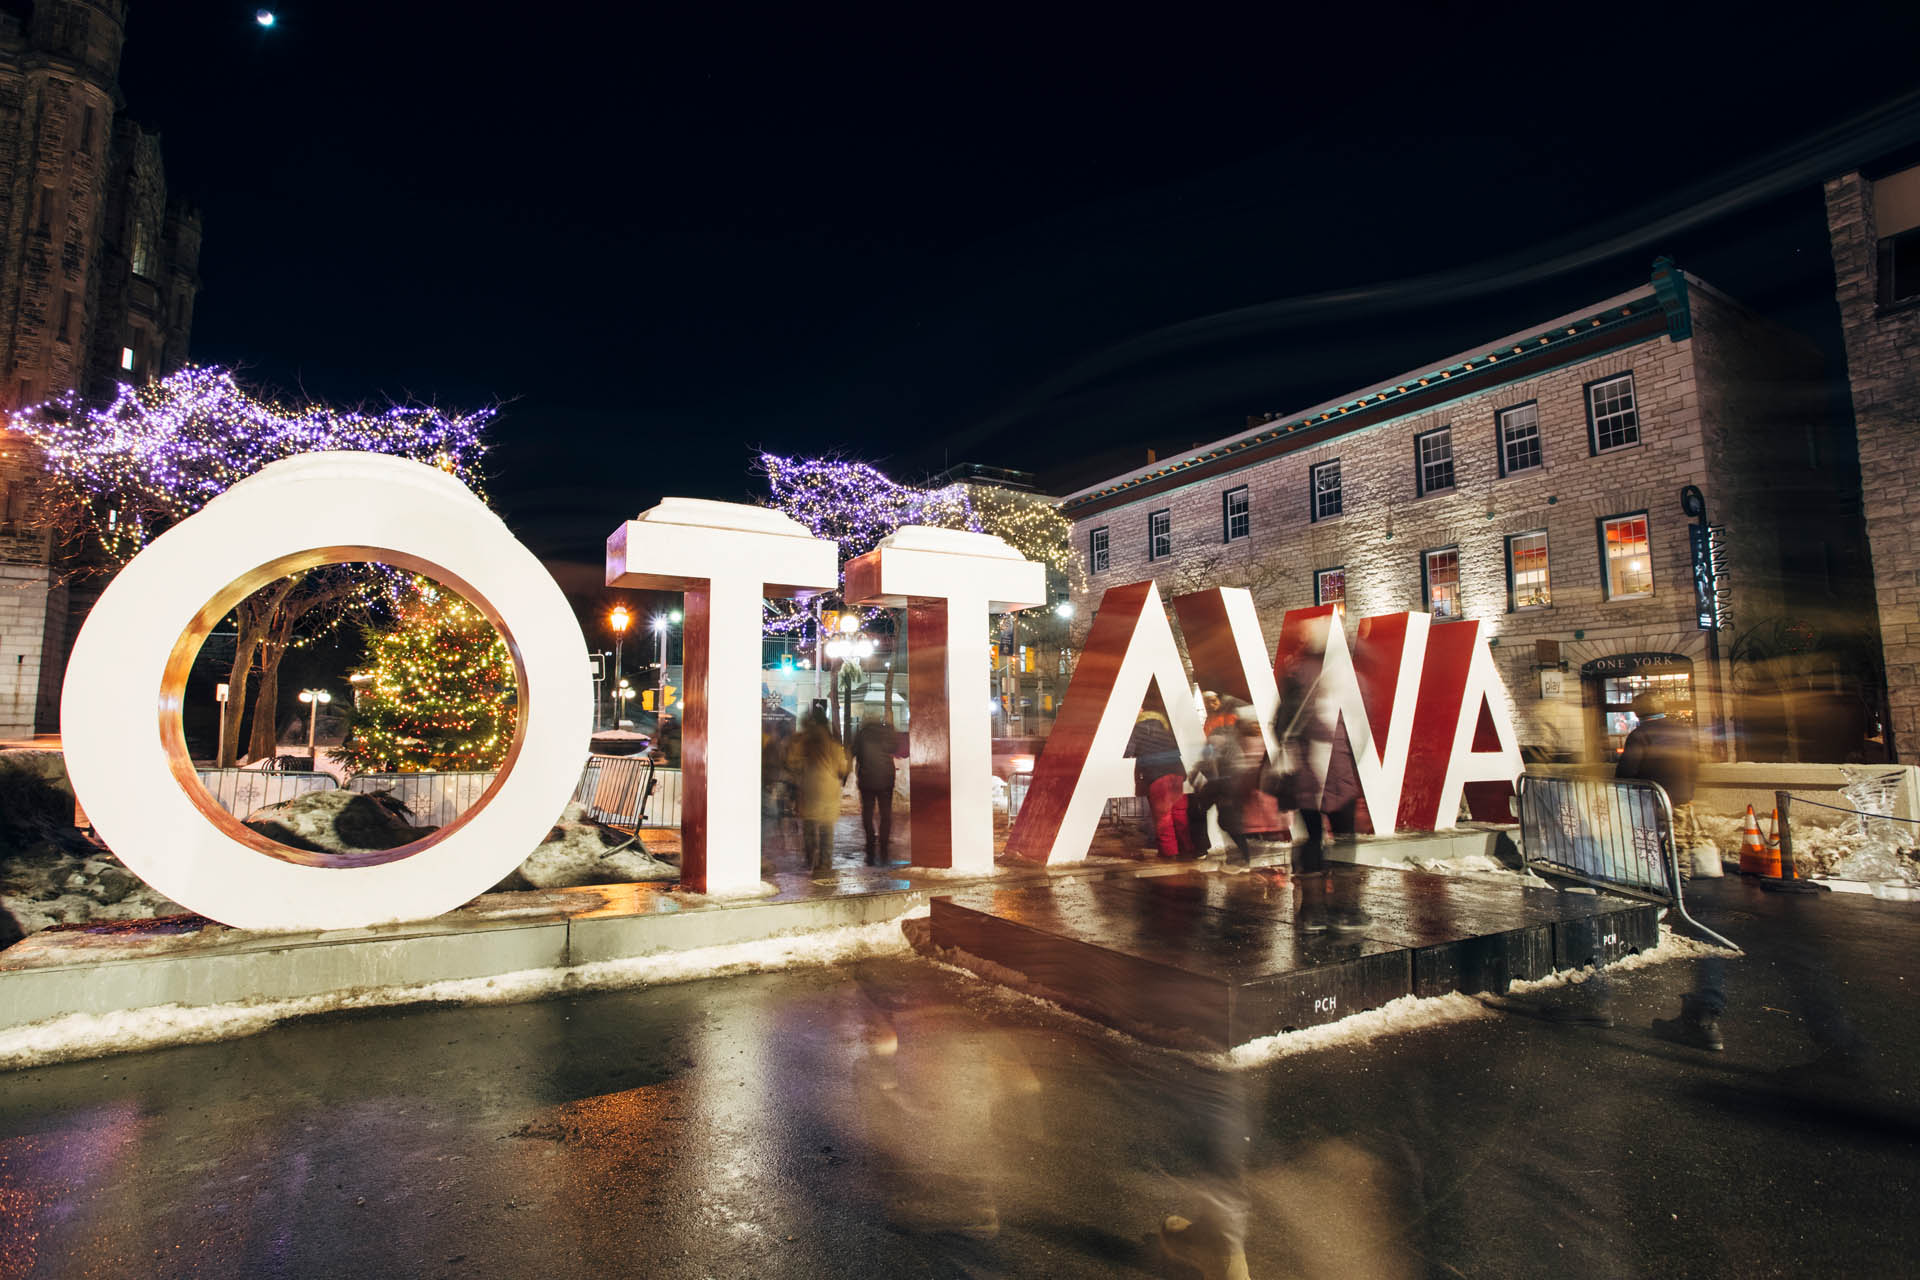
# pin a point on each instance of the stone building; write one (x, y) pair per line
(98, 273)
(1535, 483)
(1874, 223)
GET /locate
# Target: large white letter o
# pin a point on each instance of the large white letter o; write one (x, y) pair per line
(133, 776)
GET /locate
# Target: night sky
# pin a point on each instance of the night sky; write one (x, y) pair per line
(664, 237)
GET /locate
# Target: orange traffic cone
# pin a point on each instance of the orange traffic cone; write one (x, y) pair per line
(1753, 850)
(1758, 856)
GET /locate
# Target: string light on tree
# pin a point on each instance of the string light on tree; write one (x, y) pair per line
(125, 471)
(439, 692)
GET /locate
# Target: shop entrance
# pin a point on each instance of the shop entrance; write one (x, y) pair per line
(1608, 688)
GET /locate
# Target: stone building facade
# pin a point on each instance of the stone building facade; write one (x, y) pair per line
(98, 277)
(1874, 225)
(1535, 483)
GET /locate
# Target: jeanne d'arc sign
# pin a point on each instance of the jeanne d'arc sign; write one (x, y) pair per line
(1425, 712)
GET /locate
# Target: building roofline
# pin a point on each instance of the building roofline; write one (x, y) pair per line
(1623, 319)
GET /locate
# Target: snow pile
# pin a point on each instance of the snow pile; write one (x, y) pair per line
(338, 822)
(83, 1035)
(72, 888)
(1820, 847)
(1467, 864)
(579, 851)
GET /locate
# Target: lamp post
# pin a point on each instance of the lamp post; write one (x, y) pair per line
(618, 620)
(850, 643)
(315, 699)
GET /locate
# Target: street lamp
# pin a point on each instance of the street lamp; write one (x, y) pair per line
(315, 699)
(618, 620)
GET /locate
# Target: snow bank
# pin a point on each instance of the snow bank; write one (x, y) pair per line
(86, 1035)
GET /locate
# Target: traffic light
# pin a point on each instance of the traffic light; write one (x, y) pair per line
(646, 699)
(673, 695)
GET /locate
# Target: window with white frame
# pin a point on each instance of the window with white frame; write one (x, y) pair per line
(1440, 576)
(1236, 514)
(1159, 535)
(1097, 551)
(1527, 586)
(1519, 438)
(1613, 415)
(1628, 556)
(1434, 453)
(1330, 587)
(1325, 484)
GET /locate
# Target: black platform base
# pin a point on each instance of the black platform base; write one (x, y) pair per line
(1217, 960)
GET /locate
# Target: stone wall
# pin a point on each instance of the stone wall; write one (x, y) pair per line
(1712, 402)
(1883, 351)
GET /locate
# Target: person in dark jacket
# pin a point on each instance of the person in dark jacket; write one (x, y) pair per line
(873, 748)
(1662, 750)
(1157, 767)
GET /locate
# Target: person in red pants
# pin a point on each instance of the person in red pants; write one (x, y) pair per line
(1158, 769)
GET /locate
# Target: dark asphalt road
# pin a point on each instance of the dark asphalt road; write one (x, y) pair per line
(756, 1127)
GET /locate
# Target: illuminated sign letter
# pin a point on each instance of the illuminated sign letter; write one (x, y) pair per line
(725, 556)
(133, 774)
(948, 581)
(1129, 648)
(1370, 686)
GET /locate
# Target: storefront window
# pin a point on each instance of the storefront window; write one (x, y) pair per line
(1617, 692)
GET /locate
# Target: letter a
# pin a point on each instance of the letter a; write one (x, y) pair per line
(1129, 648)
(1463, 735)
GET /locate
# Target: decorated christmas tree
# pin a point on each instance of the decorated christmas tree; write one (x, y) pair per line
(438, 691)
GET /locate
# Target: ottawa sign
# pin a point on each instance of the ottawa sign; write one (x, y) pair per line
(1422, 707)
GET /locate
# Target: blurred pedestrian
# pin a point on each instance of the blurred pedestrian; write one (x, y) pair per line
(1318, 778)
(1159, 773)
(1663, 751)
(873, 748)
(819, 769)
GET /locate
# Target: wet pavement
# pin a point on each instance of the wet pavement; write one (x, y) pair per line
(896, 1118)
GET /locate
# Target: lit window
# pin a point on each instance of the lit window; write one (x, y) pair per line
(1519, 439)
(1612, 414)
(1434, 452)
(1326, 490)
(126, 357)
(1097, 551)
(1236, 515)
(1159, 535)
(1330, 587)
(1629, 560)
(1527, 571)
(1899, 273)
(1440, 576)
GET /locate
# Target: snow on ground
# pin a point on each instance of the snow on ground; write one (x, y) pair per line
(1819, 846)
(87, 1035)
(579, 852)
(74, 889)
(1411, 1013)
(1396, 1017)
(1467, 864)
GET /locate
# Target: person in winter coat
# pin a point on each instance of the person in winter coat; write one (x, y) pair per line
(819, 769)
(873, 748)
(1662, 750)
(1157, 767)
(1241, 756)
(1319, 779)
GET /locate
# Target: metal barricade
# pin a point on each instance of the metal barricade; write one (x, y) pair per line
(629, 791)
(434, 799)
(241, 791)
(1612, 833)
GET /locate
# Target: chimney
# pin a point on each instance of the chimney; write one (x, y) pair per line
(1152, 457)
